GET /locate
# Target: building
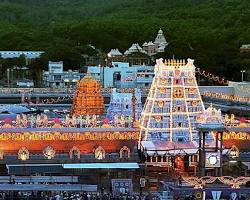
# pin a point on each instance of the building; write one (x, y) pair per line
(245, 48)
(174, 96)
(150, 48)
(25, 83)
(168, 134)
(121, 104)
(56, 77)
(88, 99)
(122, 75)
(43, 148)
(136, 54)
(29, 55)
(114, 53)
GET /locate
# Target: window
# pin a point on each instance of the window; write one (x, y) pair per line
(179, 124)
(57, 77)
(180, 139)
(178, 108)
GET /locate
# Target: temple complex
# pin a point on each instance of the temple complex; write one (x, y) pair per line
(148, 48)
(176, 135)
(88, 99)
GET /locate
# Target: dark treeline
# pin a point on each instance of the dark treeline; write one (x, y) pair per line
(210, 31)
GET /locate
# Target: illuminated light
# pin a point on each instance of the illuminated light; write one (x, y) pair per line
(224, 96)
(23, 154)
(99, 153)
(200, 183)
(88, 99)
(1, 154)
(49, 152)
(234, 152)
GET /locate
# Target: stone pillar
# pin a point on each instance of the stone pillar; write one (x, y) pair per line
(203, 153)
(221, 156)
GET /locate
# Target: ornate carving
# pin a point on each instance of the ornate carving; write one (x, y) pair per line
(105, 135)
(123, 150)
(99, 153)
(211, 116)
(74, 151)
(23, 154)
(49, 152)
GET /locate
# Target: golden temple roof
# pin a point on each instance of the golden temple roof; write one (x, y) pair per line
(88, 78)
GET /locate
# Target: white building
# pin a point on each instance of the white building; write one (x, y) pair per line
(29, 55)
(122, 75)
(122, 104)
(150, 48)
(114, 53)
(25, 83)
(56, 77)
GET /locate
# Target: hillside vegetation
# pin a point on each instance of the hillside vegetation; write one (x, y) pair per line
(210, 31)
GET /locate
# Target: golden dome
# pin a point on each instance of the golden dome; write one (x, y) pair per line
(88, 99)
(88, 78)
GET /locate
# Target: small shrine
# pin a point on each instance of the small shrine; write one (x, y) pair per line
(121, 104)
(210, 122)
(88, 99)
(211, 118)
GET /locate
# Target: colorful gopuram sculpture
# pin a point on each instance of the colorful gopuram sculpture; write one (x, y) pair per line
(88, 99)
(121, 104)
(173, 103)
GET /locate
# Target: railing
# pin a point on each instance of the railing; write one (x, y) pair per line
(48, 187)
(39, 179)
(61, 90)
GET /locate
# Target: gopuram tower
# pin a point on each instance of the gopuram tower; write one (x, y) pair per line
(173, 104)
(88, 99)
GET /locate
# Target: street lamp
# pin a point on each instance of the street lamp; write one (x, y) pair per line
(242, 74)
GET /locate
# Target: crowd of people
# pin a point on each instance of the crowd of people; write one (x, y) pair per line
(73, 196)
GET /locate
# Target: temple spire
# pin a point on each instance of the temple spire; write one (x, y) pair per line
(160, 39)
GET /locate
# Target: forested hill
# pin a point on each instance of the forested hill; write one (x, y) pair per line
(211, 31)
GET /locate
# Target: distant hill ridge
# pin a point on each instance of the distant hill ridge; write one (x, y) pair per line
(210, 31)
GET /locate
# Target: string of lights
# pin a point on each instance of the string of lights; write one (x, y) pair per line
(224, 96)
(200, 183)
(57, 100)
(211, 76)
